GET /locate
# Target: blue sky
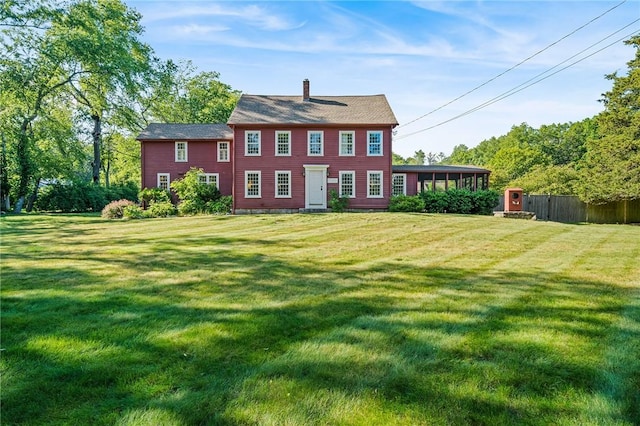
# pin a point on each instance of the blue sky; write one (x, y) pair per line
(421, 55)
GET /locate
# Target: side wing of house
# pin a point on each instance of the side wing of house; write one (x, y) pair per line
(168, 151)
(291, 151)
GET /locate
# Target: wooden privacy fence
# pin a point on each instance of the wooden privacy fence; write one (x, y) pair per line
(569, 209)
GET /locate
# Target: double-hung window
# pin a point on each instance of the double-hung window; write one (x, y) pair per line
(283, 143)
(399, 184)
(283, 184)
(252, 184)
(315, 145)
(252, 143)
(209, 179)
(163, 180)
(347, 143)
(348, 184)
(374, 184)
(223, 151)
(181, 152)
(374, 143)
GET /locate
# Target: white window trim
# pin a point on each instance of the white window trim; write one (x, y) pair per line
(168, 175)
(369, 173)
(309, 132)
(404, 182)
(246, 188)
(353, 143)
(186, 151)
(246, 143)
(281, 132)
(281, 172)
(369, 133)
(353, 184)
(208, 177)
(220, 160)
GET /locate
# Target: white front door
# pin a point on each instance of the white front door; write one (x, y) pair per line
(316, 187)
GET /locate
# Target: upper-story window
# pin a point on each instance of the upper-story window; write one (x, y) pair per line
(374, 143)
(347, 143)
(283, 143)
(399, 184)
(181, 152)
(223, 151)
(252, 142)
(209, 179)
(315, 144)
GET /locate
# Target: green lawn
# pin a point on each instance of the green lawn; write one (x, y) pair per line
(357, 319)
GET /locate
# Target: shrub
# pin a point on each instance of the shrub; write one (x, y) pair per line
(337, 203)
(406, 203)
(115, 209)
(434, 202)
(194, 195)
(75, 197)
(154, 195)
(190, 207)
(163, 209)
(460, 201)
(485, 201)
(222, 205)
(133, 212)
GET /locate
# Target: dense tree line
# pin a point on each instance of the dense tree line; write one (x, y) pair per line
(597, 159)
(77, 85)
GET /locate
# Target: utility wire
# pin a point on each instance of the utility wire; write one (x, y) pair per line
(524, 85)
(513, 67)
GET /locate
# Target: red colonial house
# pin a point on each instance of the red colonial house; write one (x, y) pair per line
(283, 153)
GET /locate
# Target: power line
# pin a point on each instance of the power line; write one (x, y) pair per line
(524, 85)
(513, 67)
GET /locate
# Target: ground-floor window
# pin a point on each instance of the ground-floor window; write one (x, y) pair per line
(374, 184)
(399, 184)
(163, 180)
(209, 179)
(252, 184)
(283, 184)
(348, 184)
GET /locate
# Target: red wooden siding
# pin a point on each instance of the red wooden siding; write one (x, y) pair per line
(268, 163)
(159, 157)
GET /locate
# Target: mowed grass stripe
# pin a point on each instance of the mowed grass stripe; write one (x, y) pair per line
(318, 319)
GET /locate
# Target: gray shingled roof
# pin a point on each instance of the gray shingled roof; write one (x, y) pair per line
(437, 168)
(175, 131)
(261, 109)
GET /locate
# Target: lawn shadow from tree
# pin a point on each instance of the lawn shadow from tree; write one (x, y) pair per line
(229, 345)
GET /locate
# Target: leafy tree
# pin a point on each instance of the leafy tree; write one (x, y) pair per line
(30, 76)
(178, 95)
(398, 159)
(611, 168)
(549, 179)
(101, 38)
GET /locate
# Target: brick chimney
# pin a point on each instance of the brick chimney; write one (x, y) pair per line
(305, 89)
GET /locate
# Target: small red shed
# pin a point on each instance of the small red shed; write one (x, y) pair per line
(513, 199)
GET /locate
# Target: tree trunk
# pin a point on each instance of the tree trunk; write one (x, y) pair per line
(97, 139)
(19, 204)
(24, 165)
(34, 195)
